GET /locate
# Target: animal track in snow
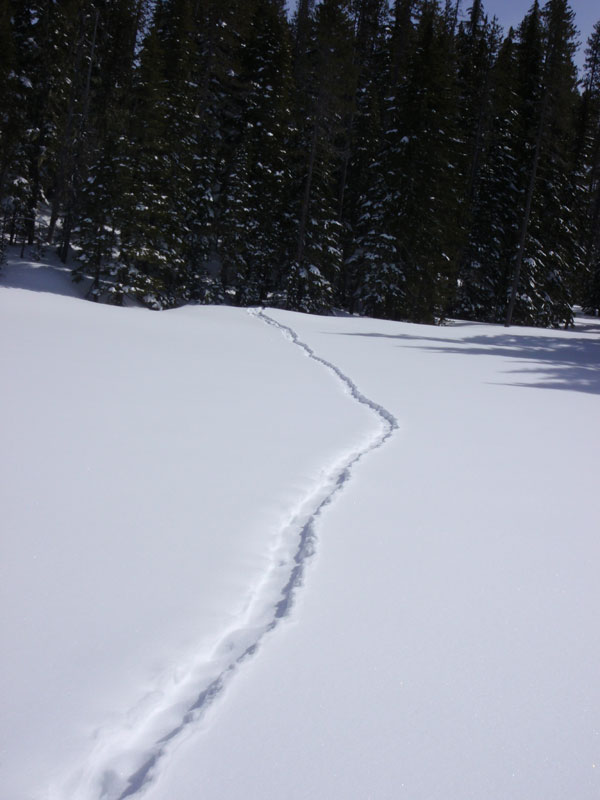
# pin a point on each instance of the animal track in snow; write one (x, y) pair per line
(115, 770)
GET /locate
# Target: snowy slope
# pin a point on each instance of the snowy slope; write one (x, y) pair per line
(151, 468)
(447, 641)
(158, 474)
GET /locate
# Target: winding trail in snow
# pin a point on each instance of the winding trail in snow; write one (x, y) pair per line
(272, 602)
(389, 424)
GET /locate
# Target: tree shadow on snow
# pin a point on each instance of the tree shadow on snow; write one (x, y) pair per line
(570, 362)
(50, 276)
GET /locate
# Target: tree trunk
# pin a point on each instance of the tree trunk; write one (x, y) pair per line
(65, 169)
(527, 212)
(307, 191)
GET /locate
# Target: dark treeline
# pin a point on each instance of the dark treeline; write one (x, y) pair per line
(402, 160)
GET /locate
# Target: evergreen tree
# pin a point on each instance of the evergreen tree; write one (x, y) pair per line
(219, 91)
(96, 206)
(14, 94)
(33, 67)
(408, 249)
(539, 292)
(485, 269)
(375, 262)
(373, 69)
(589, 126)
(379, 156)
(256, 226)
(329, 67)
(477, 44)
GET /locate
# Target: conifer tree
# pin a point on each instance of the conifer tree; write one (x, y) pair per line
(485, 268)
(95, 211)
(539, 293)
(408, 248)
(218, 96)
(316, 269)
(79, 40)
(256, 226)
(369, 17)
(380, 156)
(477, 44)
(13, 99)
(589, 125)
(375, 262)
(373, 69)
(34, 73)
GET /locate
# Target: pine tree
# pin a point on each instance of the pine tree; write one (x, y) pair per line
(368, 59)
(33, 77)
(485, 270)
(539, 292)
(256, 226)
(329, 70)
(375, 262)
(218, 97)
(589, 159)
(95, 211)
(408, 246)
(78, 39)
(477, 44)
(389, 160)
(373, 69)
(14, 93)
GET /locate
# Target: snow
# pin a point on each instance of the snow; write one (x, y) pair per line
(162, 476)
(447, 641)
(149, 472)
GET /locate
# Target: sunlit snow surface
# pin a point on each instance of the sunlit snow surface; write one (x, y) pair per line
(156, 472)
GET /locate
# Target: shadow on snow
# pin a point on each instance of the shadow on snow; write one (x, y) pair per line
(570, 363)
(50, 275)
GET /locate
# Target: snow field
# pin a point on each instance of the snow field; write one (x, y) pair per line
(165, 477)
(155, 469)
(446, 644)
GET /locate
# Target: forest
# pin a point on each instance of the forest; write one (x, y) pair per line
(406, 160)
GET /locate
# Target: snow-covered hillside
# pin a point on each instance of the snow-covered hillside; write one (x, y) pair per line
(165, 478)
